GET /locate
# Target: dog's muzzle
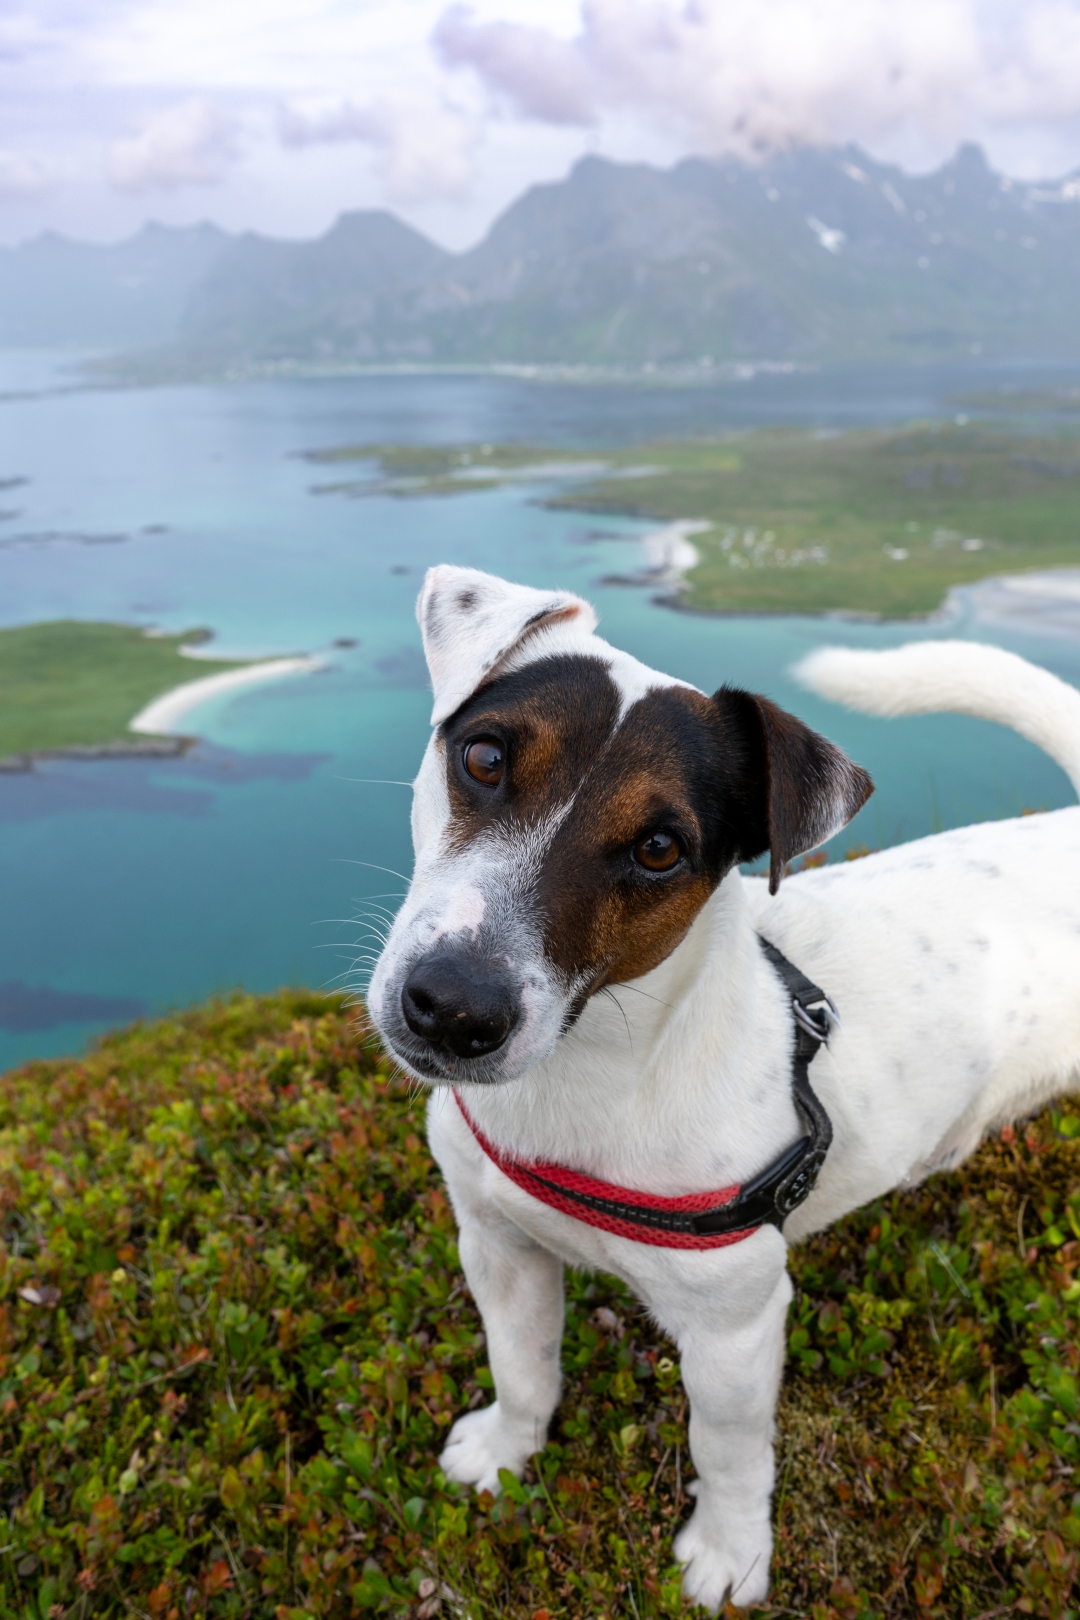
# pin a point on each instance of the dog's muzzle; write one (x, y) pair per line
(459, 1004)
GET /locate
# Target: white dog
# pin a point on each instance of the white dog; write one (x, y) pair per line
(579, 821)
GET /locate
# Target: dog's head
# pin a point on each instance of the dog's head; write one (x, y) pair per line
(573, 813)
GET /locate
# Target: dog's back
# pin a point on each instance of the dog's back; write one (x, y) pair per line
(964, 946)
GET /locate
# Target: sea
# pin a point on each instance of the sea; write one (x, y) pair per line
(276, 848)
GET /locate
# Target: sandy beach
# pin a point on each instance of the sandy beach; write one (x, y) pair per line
(1043, 602)
(162, 717)
(668, 551)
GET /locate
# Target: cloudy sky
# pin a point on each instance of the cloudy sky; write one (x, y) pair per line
(278, 114)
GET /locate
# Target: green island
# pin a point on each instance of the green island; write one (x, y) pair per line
(872, 521)
(233, 1336)
(70, 684)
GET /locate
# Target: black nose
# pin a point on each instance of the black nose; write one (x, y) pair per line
(460, 1004)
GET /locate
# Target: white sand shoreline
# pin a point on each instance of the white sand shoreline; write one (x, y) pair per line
(162, 717)
(668, 551)
(1043, 602)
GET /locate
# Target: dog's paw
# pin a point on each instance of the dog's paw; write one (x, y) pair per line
(728, 1564)
(479, 1444)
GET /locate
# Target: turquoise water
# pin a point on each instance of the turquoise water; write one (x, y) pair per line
(142, 885)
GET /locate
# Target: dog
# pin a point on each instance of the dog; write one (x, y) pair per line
(579, 823)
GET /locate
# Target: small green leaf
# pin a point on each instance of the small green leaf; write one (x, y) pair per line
(233, 1491)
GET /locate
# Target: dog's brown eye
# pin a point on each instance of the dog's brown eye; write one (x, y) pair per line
(658, 852)
(484, 762)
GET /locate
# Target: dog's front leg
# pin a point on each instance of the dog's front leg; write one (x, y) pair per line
(518, 1286)
(731, 1342)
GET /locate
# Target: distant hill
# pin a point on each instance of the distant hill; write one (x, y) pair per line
(133, 294)
(314, 300)
(816, 254)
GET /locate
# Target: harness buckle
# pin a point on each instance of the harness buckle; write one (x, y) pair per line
(798, 1187)
(817, 1023)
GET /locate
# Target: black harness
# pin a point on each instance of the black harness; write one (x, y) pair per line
(736, 1213)
(770, 1198)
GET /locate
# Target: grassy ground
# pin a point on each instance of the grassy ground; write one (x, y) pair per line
(233, 1335)
(69, 682)
(878, 521)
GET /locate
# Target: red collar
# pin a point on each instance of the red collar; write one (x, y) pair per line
(701, 1220)
(669, 1223)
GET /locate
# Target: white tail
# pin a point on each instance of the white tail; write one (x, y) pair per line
(965, 677)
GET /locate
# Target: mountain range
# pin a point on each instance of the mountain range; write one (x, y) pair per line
(815, 254)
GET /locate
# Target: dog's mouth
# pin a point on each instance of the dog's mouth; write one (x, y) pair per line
(440, 1068)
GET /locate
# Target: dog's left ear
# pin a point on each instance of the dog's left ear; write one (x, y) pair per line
(471, 622)
(802, 788)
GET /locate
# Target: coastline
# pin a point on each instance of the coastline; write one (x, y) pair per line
(669, 556)
(122, 748)
(1036, 599)
(1042, 600)
(161, 717)
(156, 728)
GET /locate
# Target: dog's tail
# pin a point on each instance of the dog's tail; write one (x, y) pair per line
(965, 677)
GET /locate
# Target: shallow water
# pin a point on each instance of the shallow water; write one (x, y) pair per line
(150, 883)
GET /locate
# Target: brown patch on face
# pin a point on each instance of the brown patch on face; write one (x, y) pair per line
(672, 766)
(553, 719)
(725, 776)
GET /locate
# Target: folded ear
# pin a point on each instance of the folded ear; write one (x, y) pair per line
(803, 788)
(471, 622)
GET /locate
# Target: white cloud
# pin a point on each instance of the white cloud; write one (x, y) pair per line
(538, 76)
(743, 78)
(191, 144)
(424, 147)
(447, 113)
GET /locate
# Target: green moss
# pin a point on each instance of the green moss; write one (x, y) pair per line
(233, 1335)
(69, 683)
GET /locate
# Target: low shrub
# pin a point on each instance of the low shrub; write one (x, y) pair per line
(233, 1334)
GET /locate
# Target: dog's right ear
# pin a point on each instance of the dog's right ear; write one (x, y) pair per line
(471, 622)
(800, 788)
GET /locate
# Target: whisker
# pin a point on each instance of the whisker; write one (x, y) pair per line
(345, 860)
(608, 991)
(373, 781)
(365, 928)
(366, 925)
(624, 986)
(336, 977)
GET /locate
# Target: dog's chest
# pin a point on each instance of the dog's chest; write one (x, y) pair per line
(657, 1273)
